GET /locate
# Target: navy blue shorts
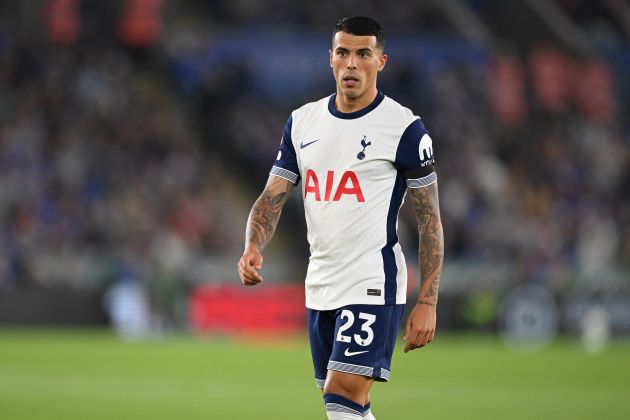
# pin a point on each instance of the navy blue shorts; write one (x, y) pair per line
(355, 339)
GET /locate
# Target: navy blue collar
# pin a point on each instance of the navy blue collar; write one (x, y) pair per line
(356, 114)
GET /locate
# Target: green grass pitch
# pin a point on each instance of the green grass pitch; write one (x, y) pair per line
(92, 375)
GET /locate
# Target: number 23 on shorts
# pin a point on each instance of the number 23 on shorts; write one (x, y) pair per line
(360, 339)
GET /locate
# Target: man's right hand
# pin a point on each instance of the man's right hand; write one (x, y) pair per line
(250, 262)
(261, 225)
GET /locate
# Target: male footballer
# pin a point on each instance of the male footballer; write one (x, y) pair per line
(358, 153)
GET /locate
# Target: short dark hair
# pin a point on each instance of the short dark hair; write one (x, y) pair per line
(361, 26)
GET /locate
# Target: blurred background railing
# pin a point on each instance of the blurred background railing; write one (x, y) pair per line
(136, 134)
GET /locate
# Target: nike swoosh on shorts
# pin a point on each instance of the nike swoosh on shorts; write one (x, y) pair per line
(349, 353)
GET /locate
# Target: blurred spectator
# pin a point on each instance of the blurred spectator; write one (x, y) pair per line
(128, 307)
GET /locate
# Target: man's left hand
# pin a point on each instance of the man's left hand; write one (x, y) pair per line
(420, 328)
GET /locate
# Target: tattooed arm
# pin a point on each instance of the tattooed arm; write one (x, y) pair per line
(420, 327)
(261, 225)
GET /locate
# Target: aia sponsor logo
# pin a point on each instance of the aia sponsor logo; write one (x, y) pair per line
(333, 191)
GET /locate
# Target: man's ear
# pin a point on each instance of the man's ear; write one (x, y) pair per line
(330, 57)
(383, 61)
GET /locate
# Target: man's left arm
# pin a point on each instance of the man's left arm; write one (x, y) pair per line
(420, 328)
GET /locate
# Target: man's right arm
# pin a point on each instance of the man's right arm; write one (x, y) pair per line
(261, 226)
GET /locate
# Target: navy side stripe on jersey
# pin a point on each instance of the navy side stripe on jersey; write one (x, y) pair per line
(286, 164)
(389, 259)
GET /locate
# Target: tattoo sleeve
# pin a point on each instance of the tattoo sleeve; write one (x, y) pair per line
(265, 213)
(431, 249)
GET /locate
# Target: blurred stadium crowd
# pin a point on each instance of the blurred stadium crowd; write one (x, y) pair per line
(135, 134)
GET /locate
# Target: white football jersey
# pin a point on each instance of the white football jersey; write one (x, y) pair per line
(355, 168)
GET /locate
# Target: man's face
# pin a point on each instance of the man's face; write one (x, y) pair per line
(355, 60)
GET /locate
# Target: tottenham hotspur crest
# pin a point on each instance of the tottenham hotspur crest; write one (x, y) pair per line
(365, 144)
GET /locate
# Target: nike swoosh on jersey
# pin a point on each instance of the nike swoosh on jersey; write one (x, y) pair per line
(349, 353)
(303, 145)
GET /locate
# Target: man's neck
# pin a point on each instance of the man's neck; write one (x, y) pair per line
(346, 105)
